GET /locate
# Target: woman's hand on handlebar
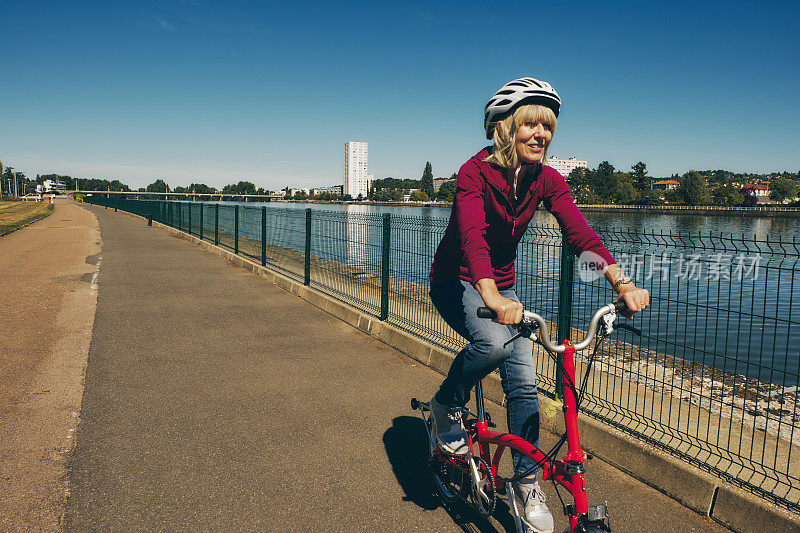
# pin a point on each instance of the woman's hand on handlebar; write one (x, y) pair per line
(508, 311)
(635, 298)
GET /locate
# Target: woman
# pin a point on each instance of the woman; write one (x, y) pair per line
(497, 193)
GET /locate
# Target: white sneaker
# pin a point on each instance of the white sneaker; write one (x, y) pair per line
(448, 428)
(534, 511)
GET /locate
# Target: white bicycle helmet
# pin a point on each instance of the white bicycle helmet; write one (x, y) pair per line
(522, 91)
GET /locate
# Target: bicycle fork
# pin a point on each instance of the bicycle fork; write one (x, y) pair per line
(573, 461)
(575, 456)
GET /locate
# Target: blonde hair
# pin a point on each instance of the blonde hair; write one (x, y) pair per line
(505, 134)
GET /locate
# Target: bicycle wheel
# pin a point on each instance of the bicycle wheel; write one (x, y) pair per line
(448, 480)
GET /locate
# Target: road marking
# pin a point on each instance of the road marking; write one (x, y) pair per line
(96, 272)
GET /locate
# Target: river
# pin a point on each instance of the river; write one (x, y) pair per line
(759, 227)
(725, 289)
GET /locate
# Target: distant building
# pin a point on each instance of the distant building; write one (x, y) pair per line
(356, 177)
(666, 185)
(760, 190)
(52, 187)
(294, 192)
(336, 189)
(438, 182)
(565, 166)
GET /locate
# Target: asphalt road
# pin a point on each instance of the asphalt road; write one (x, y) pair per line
(217, 401)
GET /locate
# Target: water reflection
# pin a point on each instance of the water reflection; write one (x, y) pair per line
(357, 236)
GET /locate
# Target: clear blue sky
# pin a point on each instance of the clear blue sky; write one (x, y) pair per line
(217, 92)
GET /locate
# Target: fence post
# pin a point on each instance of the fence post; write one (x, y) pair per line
(385, 246)
(236, 229)
(216, 224)
(202, 208)
(189, 210)
(263, 235)
(564, 307)
(307, 265)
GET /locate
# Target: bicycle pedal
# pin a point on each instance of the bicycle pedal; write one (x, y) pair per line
(416, 404)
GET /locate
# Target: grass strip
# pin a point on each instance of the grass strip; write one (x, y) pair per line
(16, 215)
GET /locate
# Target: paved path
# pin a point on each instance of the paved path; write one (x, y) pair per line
(217, 401)
(47, 304)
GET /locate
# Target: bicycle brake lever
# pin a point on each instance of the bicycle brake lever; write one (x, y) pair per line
(608, 321)
(630, 328)
(524, 331)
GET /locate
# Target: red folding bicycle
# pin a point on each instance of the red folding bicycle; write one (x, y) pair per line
(474, 477)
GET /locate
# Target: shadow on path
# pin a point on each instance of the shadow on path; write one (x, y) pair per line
(406, 444)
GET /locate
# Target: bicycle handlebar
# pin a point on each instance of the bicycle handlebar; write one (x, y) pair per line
(529, 318)
(620, 305)
(485, 312)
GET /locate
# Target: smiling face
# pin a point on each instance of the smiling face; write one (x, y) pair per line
(531, 141)
(523, 137)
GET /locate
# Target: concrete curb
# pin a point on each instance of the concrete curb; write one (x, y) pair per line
(709, 496)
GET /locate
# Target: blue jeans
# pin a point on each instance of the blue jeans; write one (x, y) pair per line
(457, 302)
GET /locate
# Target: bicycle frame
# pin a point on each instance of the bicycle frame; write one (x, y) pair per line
(569, 471)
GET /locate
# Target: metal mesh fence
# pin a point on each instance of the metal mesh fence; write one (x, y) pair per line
(346, 258)
(713, 379)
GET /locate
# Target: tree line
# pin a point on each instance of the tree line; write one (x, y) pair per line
(27, 185)
(421, 190)
(242, 187)
(606, 185)
(601, 185)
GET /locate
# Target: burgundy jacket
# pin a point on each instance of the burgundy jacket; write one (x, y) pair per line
(486, 225)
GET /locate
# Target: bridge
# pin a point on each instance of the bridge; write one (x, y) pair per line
(189, 196)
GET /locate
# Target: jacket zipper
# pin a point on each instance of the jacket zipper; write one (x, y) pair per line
(510, 207)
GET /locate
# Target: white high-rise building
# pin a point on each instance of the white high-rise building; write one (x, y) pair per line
(565, 166)
(356, 178)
